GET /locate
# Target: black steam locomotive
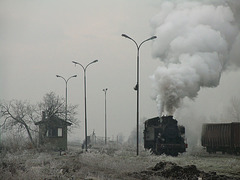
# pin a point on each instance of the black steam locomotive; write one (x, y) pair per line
(164, 136)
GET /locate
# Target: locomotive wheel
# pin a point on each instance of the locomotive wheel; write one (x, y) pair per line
(153, 151)
(173, 153)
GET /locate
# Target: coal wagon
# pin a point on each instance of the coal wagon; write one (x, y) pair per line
(223, 137)
(164, 136)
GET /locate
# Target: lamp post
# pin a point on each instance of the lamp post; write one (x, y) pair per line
(137, 85)
(85, 94)
(66, 81)
(105, 91)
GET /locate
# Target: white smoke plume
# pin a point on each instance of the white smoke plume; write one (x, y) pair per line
(194, 40)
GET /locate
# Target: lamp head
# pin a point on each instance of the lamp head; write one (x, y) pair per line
(154, 37)
(105, 89)
(126, 36)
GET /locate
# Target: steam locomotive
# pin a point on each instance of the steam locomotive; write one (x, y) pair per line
(164, 136)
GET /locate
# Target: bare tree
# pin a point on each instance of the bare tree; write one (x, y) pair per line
(54, 105)
(234, 110)
(20, 115)
(23, 116)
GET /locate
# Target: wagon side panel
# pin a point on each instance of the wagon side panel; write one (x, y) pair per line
(236, 135)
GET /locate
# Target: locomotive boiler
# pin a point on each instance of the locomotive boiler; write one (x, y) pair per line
(164, 136)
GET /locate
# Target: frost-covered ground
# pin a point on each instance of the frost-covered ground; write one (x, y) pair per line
(112, 162)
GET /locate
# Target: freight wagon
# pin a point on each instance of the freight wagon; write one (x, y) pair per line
(223, 137)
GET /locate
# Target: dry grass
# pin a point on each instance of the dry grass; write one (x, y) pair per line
(109, 162)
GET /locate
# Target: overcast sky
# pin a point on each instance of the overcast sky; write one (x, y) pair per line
(39, 39)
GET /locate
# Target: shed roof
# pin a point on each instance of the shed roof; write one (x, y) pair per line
(55, 120)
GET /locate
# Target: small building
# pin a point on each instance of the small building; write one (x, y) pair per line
(53, 132)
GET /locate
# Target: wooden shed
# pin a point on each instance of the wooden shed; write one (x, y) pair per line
(53, 132)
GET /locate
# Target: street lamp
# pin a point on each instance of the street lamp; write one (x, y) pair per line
(105, 91)
(137, 85)
(85, 94)
(66, 81)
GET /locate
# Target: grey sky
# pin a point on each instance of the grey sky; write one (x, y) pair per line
(40, 39)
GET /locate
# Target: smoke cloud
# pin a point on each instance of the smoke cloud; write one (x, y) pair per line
(194, 41)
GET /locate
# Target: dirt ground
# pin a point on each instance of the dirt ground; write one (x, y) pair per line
(116, 163)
